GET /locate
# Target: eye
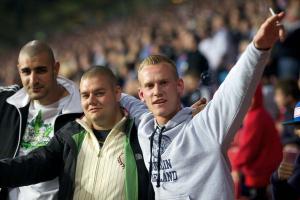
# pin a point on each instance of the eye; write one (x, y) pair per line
(41, 70)
(25, 71)
(149, 85)
(84, 96)
(164, 82)
(99, 94)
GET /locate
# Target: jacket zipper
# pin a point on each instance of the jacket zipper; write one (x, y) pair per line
(20, 129)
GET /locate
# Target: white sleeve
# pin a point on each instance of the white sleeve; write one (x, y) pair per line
(224, 114)
(135, 107)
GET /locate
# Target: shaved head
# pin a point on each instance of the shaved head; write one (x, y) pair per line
(101, 71)
(36, 47)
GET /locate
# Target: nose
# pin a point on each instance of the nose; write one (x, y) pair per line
(157, 90)
(33, 78)
(92, 100)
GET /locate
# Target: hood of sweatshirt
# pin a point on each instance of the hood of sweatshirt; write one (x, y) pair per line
(185, 114)
(257, 100)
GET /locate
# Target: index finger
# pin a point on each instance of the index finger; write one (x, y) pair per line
(276, 18)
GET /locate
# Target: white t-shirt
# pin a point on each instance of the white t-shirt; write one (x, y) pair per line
(39, 130)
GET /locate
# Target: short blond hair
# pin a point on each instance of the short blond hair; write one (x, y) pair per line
(157, 59)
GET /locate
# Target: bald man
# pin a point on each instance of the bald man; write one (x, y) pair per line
(96, 156)
(30, 115)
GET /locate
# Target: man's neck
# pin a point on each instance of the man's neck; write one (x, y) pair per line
(58, 92)
(162, 120)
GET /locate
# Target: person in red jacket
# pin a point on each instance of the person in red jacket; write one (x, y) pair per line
(259, 150)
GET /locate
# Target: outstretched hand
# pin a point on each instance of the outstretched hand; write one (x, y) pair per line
(269, 32)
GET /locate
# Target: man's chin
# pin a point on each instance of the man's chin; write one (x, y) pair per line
(36, 96)
(160, 113)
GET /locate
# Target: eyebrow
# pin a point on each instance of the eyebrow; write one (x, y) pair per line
(96, 90)
(35, 68)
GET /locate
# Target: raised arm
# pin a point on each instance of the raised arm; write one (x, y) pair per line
(223, 115)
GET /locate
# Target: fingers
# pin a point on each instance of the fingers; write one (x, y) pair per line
(269, 32)
(201, 107)
(280, 16)
(199, 102)
(198, 106)
(284, 175)
(195, 111)
(277, 19)
(282, 33)
(202, 101)
(285, 170)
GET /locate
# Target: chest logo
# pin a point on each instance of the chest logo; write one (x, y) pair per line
(121, 160)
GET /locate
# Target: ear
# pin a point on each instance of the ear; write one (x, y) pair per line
(18, 67)
(180, 86)
(141, 95)
(56, 68)
(118, 92)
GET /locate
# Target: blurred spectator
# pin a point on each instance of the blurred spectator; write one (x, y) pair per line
(287, 94)
(268, 90)
(259, 150)
(287, 54)
(218, 47)
(191, 59)
(285, 181)
(194, 89)
(98, 55)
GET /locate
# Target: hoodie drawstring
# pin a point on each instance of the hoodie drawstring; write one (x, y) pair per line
(151, 146)
(158, 154)
(159, 157)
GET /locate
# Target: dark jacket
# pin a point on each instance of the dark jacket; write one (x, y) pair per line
(287, 189)
(14, 106)
(12, 123)
(13, 118)
(58, 158)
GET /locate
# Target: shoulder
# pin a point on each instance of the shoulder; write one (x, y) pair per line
(129, 125)
(68, 131)
(11, 88)
(64, 119)
(7, 91)
(70, 127)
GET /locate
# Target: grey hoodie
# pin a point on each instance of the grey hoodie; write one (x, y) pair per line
(194, 163)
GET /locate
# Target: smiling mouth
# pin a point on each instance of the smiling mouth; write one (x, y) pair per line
(94, 110)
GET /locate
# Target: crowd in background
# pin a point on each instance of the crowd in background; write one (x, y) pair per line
(204, 38)
(198, 35)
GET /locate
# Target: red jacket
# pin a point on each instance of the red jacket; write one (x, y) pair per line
(259, 148)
